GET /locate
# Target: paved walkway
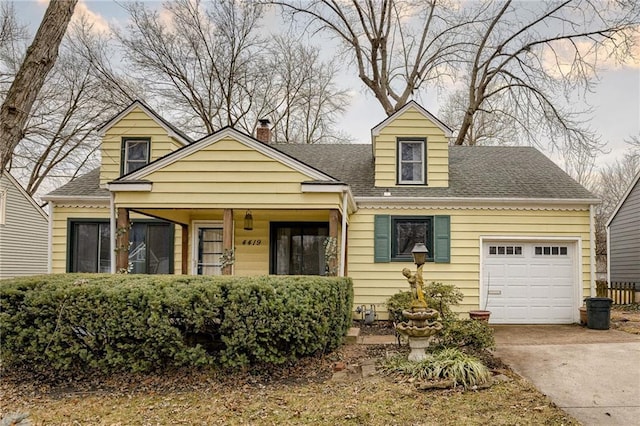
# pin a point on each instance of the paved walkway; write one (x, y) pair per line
(594, 375)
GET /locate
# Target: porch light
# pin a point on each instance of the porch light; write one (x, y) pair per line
(248, 221)
(419, 254)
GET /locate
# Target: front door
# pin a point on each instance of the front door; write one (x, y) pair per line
(209, 249)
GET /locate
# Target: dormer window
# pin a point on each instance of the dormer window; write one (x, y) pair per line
(411, 161)
(135, 154)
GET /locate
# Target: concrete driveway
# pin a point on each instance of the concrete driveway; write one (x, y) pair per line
(594, 375)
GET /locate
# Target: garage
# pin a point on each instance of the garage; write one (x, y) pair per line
(529, 282)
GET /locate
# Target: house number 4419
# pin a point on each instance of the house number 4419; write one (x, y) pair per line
(251, 242)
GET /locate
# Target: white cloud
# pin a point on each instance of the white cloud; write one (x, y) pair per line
(98, 22)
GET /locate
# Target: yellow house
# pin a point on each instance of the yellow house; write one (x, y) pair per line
(503, 224)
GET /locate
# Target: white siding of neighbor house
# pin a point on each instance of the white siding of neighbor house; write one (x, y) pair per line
(24, 234)
(624, 245)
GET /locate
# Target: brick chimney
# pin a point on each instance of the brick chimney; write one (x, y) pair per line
(263, 132)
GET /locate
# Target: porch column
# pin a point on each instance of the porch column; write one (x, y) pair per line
(185, 249)
(122, 240)
(334, 223)
(227, 236)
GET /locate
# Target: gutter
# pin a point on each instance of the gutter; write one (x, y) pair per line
(464, 201)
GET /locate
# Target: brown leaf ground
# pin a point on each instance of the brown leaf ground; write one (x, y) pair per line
(298, 394)
(626, 318)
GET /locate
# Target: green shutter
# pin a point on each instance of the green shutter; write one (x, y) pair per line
(442, 243)
(382, 238)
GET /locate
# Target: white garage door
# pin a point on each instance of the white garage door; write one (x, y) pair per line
(529, 282)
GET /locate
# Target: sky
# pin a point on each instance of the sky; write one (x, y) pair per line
(615, 102)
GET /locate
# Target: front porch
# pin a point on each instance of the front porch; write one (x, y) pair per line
(253, 241)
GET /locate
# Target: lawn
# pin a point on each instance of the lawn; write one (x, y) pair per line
(304, 393)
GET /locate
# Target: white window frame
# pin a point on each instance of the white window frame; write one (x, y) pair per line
(423, 160)
(126, 141)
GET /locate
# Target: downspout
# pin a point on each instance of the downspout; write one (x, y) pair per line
(343, 242)
(592, 250)
(50, 240)
(112, 232)
(608, 257)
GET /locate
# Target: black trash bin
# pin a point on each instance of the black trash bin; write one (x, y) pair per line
(598, 312)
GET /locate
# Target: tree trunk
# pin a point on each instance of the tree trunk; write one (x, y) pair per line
(38, 61)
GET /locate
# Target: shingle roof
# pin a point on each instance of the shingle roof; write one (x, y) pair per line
(87, 185)
(474, 172)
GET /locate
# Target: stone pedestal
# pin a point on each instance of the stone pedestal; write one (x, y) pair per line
(418, 345)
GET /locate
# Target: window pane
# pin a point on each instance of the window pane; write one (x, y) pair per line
(137, 155)
(209, 251)
(159, 252)
(408, 233)
(299, 249)
(411, 151)
(138, 249)
(105, 249)
(85, 248)
(137, 150)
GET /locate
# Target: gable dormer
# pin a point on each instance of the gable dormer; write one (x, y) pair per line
(134, 138)
(411, 148)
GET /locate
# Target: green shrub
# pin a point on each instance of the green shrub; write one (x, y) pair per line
(149, 322)
(438, 296)
(467, 333)
(397, 303)
(449, 364)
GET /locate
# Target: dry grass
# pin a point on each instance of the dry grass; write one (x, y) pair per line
(626, 318)
(301, 394)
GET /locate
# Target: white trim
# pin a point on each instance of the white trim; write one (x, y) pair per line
(577, 270)
(50, 240)
(228, 132)
(377, 129)
(608, 251)
(456, 203)
(112, 232)
(423, 161)
(623, 199)
(322, 187)
(195, 225)
(3, 205)
(343, 236)
(153, 115)
(25, 194)
(592, 250)
(76, 199)
(130, 187)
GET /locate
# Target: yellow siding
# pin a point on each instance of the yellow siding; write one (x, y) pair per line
(60, 232)
(411, 123)
(134, 124)
(227, 174)
(374, 283)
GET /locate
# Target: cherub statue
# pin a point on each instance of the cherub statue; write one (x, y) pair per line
(415, 281)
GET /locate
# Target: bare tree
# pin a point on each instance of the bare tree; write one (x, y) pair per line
(519, 61)
(59, 140)
(610, 184)
(304, 99)
(38, 61)
(396, 46)
(209, 64)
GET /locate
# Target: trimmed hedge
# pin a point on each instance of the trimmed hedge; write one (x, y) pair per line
(113, 323)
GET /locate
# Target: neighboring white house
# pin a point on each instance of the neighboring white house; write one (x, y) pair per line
(24, 228)
(623, 238)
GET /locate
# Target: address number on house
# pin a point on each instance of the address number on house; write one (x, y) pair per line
(251, 242)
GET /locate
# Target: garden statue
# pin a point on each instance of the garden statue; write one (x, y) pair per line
(422, 323)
